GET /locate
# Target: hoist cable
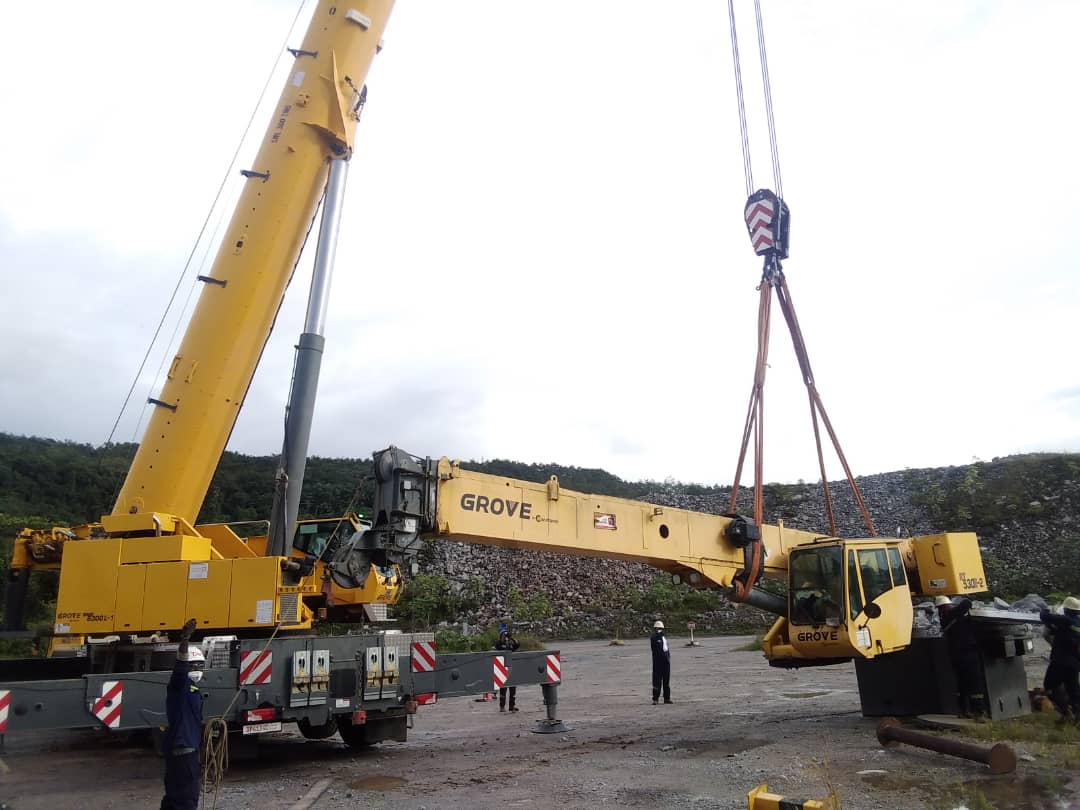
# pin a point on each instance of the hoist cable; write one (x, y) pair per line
(768, 101)
(748, 170)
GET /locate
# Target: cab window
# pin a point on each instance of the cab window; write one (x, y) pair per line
(896, 564)
(854, 592)
(816, 586)
(313, 538)
(874, 567)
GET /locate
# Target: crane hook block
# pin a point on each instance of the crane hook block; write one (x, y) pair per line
(768, 220)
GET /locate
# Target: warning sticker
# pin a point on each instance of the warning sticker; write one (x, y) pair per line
(264, 611)
(200, 570)
(603, 520)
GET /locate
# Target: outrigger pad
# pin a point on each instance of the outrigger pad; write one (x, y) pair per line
(551, 727)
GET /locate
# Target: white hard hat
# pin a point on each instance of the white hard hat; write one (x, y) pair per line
(195, 655)
(942, 600)
(658, 625)
(1071, 603)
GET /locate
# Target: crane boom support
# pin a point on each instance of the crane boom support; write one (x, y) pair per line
(208, 379)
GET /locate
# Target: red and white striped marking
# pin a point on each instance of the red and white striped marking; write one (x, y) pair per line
(256, 667)
(5, 701)
(554, 668)
(759, 219)
(107, 707)
(501, 672)
(423, 656)
(427, 698)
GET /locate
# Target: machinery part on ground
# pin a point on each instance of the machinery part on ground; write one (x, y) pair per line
(551, 724)
(1000, 757)
(760, 799)
(921, 680)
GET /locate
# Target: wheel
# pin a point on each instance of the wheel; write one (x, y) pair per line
(354, 736)
(379, 726)
(320, 732)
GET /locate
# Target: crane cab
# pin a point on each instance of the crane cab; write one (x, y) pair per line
(846, 599)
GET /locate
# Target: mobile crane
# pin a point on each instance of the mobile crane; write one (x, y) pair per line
(128, 582)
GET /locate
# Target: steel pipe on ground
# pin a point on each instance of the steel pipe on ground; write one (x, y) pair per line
(1000, 757)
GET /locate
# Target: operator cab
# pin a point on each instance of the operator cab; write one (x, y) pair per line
(314, 537)
(848, 598)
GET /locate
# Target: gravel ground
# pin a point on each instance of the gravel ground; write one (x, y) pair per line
(735, 723)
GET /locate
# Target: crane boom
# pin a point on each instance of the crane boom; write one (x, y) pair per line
(846, 598)
(151, 567)
(209, 376)
(476, 507)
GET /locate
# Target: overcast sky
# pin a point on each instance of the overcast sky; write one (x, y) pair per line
(543, 256)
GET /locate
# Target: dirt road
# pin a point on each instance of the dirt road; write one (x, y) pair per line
(735, 723)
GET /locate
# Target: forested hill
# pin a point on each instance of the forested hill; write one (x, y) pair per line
(51, 482)
(1026, 510)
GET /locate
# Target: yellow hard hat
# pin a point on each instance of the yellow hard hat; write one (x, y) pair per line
(1071, 603)
(942, 600)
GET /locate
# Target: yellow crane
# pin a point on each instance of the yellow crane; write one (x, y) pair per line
(846, 598)
(148, 567)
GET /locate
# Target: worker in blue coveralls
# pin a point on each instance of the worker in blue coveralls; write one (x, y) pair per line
(507, 643)
(1064, 668)
(183, 708)
(661, 663)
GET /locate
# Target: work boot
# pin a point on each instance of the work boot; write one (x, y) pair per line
(655, 701)
(513, 708)
(502, 708)
(668, 700)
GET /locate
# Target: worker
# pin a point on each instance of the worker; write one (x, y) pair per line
(183, 708)
(814, 603)
(1064, 667)
(661, 663)
(508, 643)
(958, 628)
(808, 604)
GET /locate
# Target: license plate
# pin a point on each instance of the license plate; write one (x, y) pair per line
(259, 728)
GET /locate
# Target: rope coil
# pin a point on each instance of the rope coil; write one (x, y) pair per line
(216, 740)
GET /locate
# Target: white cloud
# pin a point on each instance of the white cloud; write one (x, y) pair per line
(542, 254)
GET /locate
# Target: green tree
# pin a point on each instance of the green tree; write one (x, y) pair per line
(427, 600)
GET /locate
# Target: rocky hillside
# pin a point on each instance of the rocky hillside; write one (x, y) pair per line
(1025, 509)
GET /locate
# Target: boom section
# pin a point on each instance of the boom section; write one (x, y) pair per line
(315, 120)
(440, 499)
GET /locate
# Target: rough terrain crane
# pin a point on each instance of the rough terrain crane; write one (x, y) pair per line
(847, 599)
